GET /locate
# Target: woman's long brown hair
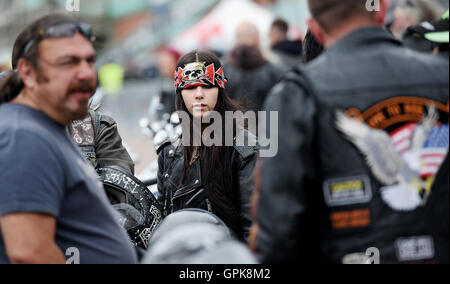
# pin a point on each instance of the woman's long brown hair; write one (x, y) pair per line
(218, 174)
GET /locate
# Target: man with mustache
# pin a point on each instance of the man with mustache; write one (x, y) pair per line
(52, 205)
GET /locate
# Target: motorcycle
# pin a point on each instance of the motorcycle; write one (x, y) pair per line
(161, 127)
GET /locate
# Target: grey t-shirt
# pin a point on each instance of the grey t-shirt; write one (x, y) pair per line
(42, 171)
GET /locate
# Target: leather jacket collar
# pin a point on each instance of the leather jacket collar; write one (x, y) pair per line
(363, 37)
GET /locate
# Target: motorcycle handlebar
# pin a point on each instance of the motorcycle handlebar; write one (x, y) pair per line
(150, 182)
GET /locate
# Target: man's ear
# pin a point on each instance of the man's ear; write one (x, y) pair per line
(316, 30)
(27, 73)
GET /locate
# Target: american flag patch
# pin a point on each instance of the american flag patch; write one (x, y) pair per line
(402, 137)
(434, 151)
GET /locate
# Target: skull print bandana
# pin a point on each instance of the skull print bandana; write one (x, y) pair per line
(199, 74)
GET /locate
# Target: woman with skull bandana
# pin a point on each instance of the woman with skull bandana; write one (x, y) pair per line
(215, 178)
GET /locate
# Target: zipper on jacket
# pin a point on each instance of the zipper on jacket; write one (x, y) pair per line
(171, 201)
(195, 195)
(195, 186)
(208, 203)
(166, 200)
(184, 194)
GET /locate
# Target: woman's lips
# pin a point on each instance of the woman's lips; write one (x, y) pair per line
(200, 107)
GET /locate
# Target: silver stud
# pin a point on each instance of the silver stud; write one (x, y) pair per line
(166, 176)
(197, 181)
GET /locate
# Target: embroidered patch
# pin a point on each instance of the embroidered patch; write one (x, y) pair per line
(82, 131)
(404, 142)
(347, 191)
(387, 114)
(414, 248)
(350, 219)
(355, 258)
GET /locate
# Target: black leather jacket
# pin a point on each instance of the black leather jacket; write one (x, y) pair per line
(191, 193)
(100, 142)
(250, 77)
(319, 199)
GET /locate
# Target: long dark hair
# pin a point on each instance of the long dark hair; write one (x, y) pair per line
(311, 48)
(11, 85)
(216, 161)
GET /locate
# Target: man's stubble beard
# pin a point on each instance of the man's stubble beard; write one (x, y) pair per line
(82, 113)
(90, 87)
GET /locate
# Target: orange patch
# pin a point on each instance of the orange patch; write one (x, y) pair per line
(350, 219)
(396, 110)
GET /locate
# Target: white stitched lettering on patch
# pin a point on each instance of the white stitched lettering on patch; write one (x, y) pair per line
(414, 248)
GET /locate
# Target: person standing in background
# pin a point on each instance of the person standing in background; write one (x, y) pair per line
(167, 63)
(288, 51)
(250, 75)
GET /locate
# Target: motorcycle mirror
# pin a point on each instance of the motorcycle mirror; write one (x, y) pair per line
(169, 128)
(178, 130)
(156, 126)
(144, 122)
(160, 137)
(174, 118)
(95, 102)
(153, 108)
(165, 117)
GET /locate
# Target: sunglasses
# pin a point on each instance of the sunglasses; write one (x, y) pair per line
(62, 29)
